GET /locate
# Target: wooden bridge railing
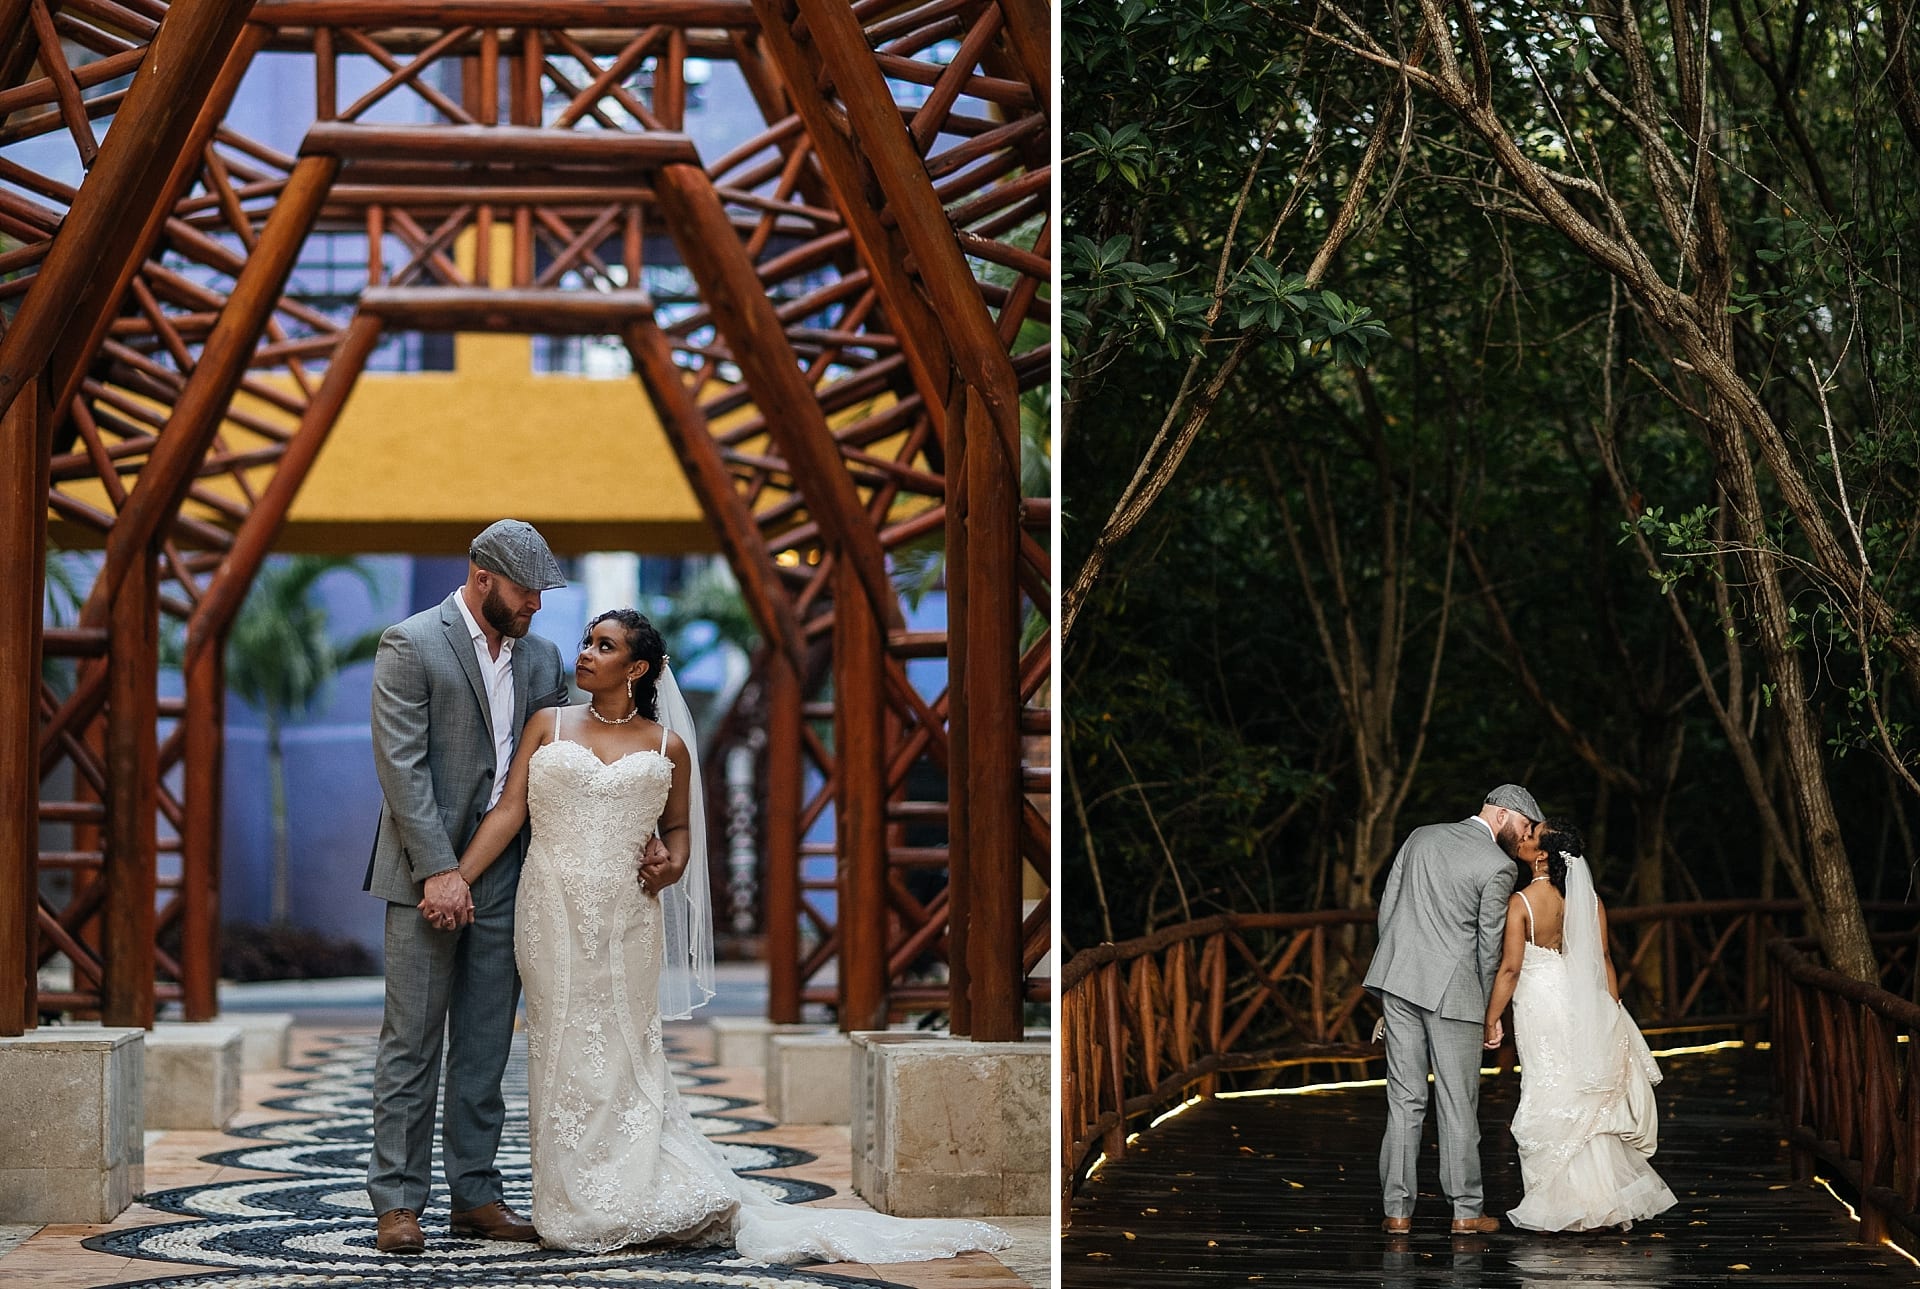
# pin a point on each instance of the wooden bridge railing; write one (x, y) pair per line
(1148, 1022)
(1845, 1070)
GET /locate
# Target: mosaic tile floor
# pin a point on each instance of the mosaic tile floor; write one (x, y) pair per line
(279, 1201)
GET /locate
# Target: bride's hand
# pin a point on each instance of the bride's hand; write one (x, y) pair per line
(657, 867)
(1496, 1030)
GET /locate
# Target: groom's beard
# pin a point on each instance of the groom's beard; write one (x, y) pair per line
(494, 609)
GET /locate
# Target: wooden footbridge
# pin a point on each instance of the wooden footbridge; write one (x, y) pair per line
(1222, 1118)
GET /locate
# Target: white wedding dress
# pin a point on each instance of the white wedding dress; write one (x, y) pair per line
(1587, 1122)
(617, 1159)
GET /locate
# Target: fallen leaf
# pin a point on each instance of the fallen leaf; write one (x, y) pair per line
(1130, 1235)
(1739, 1266)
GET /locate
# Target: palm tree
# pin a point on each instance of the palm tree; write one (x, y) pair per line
(280, 657)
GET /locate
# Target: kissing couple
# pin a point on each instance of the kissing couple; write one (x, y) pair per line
(1462, 933)
(526, 840)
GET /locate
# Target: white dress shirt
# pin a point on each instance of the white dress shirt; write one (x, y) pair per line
(497, 675)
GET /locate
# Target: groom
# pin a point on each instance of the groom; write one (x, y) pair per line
(1442, 918)
(452, 688)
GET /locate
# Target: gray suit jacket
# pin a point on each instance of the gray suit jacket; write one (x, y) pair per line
(433, 742)
(1442, 918)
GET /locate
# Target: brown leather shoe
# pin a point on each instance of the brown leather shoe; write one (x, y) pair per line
(400, 1232)
(1475, 1225)
(493, 1221)
(1396, 1225)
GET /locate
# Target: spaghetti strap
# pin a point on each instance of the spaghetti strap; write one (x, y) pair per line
(664, 731)
(556, 722)
(1529, 903)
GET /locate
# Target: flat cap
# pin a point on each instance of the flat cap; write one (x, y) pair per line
(515, 550)
(1511, 796)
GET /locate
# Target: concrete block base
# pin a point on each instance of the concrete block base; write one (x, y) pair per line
(265, 1039)
(193, 1074)
(740, 1042)
(809, 1077)
(72, 1102)
(947, 1127)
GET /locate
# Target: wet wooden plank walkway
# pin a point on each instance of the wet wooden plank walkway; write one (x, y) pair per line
(1284, 1190)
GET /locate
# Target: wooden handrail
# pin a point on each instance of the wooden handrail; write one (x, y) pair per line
(1148, 1022)
(1848, 1080)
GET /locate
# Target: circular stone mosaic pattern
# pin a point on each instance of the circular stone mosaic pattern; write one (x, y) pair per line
(314, 1227)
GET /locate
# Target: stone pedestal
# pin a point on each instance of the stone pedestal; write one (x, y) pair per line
(947, 1127)
(265, 1038)
(193, 1074)
(71, 1114)
(809, 1077)
(740, 1042)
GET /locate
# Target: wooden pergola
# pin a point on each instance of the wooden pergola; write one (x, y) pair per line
(868, 275)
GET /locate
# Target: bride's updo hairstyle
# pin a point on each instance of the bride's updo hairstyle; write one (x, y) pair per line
(643, 645)
(1559, 838)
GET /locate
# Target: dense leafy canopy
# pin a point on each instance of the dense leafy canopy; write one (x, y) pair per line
(1467, 509)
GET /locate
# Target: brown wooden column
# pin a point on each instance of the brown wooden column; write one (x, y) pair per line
(959, 867)
(203, 763)
(133, 767)
(782, 839)
(97, 238)
(986, 691)
(860, 804)
(24, 449)
(206, 670)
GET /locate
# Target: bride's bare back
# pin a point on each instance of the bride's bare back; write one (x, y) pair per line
(1549, 914)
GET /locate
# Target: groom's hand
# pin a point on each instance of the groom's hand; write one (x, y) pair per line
(448, 903)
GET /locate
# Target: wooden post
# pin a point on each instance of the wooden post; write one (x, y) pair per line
(860, 804)
(206, 671)
(206, 677)
(960, 902)
(988, 689)
(24, 455)
(782, 839)
(133, 767)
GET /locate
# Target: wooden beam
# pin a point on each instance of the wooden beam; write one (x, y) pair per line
(860, 803)
(209, 390)
(374, 14)
(25, 431)
(745, 316)
(132, 796)
(879, 244)
(530, 310)
(692, 438)
(498, 145)
(81, 282)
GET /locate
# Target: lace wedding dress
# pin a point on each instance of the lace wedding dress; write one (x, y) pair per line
(617, 1159)
(1587, 1121)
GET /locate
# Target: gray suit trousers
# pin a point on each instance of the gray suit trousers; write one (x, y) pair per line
(1420, 1042)
(461, 985)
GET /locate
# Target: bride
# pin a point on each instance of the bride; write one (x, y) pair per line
(1587, 1123)
(617, 1159)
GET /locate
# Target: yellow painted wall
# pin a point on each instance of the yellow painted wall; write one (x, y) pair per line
(421, 461)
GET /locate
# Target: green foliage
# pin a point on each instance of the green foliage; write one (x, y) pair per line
(280, 652)
(1462, 361)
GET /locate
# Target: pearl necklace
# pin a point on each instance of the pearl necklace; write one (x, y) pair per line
(1542, 878)
(611, 720)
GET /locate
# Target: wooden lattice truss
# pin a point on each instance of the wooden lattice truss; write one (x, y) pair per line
(865, 313)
